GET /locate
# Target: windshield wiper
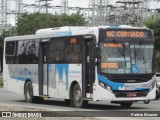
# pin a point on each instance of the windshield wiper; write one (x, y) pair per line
(120, 50)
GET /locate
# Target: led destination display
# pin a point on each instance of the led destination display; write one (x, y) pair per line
(125, 33)
(133, 34)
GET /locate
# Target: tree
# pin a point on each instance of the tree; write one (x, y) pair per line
(154, 24)
(30, 23)
(5, 33)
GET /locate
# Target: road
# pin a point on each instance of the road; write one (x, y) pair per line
(10, 98)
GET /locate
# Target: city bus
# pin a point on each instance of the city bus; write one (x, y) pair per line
(81, 64)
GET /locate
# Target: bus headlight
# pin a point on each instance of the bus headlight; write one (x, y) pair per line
(158, 84)
(105, 86)
(108, 88)
(152, 86)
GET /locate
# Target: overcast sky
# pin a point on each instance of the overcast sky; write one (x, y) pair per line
(83, 3)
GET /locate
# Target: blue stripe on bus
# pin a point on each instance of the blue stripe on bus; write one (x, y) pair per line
(62, 68)
(21, 78)
(113, 85)
(115, 27)
(67, 33)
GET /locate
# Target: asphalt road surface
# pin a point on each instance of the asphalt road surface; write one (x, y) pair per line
(10, 98)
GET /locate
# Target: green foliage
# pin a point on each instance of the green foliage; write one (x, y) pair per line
(157, 60)
(30, 23)
(7, 33)
(154, 24)
(4, 34)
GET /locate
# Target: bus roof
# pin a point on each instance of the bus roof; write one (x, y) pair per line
(67, 31)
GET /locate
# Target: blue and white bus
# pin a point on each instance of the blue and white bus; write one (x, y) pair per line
(81, 64)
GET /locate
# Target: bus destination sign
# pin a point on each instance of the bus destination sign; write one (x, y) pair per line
(127, 34)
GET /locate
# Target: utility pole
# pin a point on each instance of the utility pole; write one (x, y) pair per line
(46, 6)
(99, 11)
(64, 6)
(19, 8)
(42, 4)
(3, 15)
(134, 11)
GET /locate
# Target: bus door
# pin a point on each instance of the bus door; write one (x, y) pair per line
(43, 68)
(88, 66)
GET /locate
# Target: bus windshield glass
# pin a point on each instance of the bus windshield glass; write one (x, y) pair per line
(126, 58)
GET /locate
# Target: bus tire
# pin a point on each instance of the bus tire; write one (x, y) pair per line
(77, 97)
(29, 98)
(146, 101)
(126, 104)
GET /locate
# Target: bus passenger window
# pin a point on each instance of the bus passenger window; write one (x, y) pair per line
(57, 51)
(10, 52)
(73, 53)
(27, 52)
(10, 48)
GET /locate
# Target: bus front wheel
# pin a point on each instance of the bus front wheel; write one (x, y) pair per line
(77, 97)
(29, 98)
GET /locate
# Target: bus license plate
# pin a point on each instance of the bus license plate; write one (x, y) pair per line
(131, 94)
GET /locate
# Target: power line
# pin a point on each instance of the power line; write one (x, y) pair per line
(98, 12)
(3, 16)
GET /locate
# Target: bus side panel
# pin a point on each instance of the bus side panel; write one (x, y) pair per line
(17, 75)
(35, 89)
(52, 81)
(61, 77)
(10, 83)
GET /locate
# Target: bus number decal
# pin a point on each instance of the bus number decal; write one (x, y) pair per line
(73, 40)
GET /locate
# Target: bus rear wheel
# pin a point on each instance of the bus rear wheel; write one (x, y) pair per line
(77, 97)
(126, 104)
(29, 98)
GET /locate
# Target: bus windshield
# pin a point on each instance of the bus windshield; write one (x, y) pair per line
(126, 58)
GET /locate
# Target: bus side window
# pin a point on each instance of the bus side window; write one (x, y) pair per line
(57, 50)
(27, 52)
(10, 52)
(73, 53)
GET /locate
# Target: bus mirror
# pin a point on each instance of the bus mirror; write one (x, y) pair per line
(98, 54)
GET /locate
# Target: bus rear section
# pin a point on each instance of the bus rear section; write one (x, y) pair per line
(126, 71)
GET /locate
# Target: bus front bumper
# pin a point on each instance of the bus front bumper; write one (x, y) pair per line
(101, 94)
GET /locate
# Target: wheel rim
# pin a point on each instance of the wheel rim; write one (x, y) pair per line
(29, 93)
(77, 96)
